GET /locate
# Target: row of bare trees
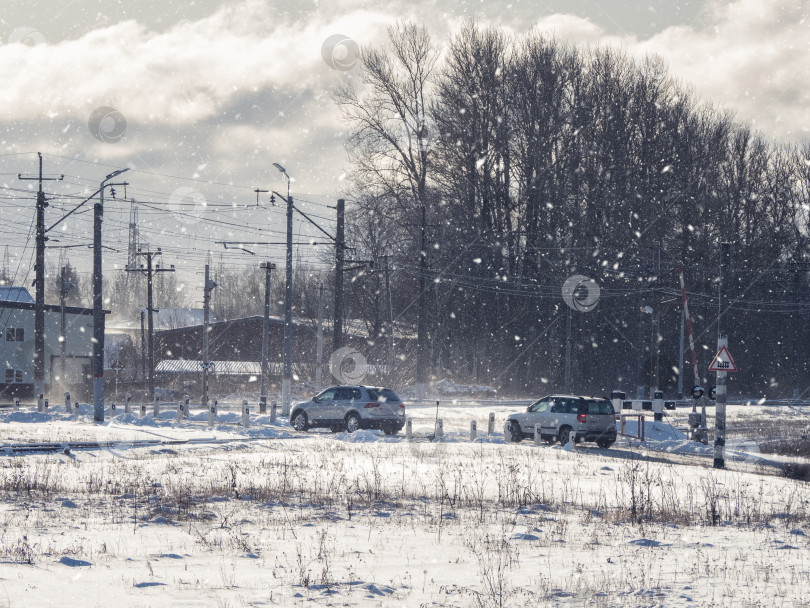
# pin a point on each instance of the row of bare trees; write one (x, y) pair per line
(494, 167)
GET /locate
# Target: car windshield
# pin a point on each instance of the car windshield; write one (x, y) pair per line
(599, 406)
(383, 395)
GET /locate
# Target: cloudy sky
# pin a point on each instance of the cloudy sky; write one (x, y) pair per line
(199, 100)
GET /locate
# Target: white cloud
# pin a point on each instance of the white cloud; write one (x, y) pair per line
(181, 76)
(752, 58)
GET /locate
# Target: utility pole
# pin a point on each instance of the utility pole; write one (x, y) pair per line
(794, 322)
(568, 350)
(64, 288)
(150, 270)
(722, 341)
(206, 363)
(340, 258)
(143, 348)
(39, 282)
(422, 323)
(98, 310)
(656, 319)
(680, 354)
(688, 318)
(641, 377)
(286, 381)
(268, 268)
(319, 343)
(390, 317)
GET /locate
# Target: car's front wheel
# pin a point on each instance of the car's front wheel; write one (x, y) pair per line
(391, 430)
(352, 423)
(565, 435)
(515, 434)
(300, 422)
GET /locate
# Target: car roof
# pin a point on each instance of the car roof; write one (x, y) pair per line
(573, 397)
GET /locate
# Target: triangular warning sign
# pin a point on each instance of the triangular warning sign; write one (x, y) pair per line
(723, 362)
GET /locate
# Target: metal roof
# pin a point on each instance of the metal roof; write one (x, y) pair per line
(224, 368)
(15, 294)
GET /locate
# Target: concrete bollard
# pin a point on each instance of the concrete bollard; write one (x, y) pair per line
(212, 412)
(128, 404)
(507, 432)
(273, 412)
(538, 438)
(112, 408)
(143, 409)
(262, 405)
(180, 408)
(409, 429)
(658, 406)
(473, 430)
(156, 408)
(41, 403)
(68, 404)
(439, 428)
(245, 413)
(46, 405)
(17, 405)
(491, 424)
(186, 407)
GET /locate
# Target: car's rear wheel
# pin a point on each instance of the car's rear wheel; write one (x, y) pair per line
(550, 439)
(391, 430)
(352, 423)
(515, 434)
(565, 435)
(604, 443)
(300, 422)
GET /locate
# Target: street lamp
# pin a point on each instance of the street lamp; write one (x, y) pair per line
(98, 311)
(287, 378)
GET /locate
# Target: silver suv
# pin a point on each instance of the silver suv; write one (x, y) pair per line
(351, 408)
(567, 417)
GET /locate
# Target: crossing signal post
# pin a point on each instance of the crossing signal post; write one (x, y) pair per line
(722, 365)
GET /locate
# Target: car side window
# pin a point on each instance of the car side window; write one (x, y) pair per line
(541, 407)
(327, 395)
(348, 394)
(557, 406)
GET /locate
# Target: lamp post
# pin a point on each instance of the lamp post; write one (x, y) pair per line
(98, 312)
(287, 378)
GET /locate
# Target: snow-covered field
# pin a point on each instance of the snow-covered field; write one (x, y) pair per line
(179, 514)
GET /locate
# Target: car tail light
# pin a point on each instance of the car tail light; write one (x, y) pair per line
(372, 404)
(581, 418)
(402, 405)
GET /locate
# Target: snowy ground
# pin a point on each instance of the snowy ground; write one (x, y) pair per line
(264, 516)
